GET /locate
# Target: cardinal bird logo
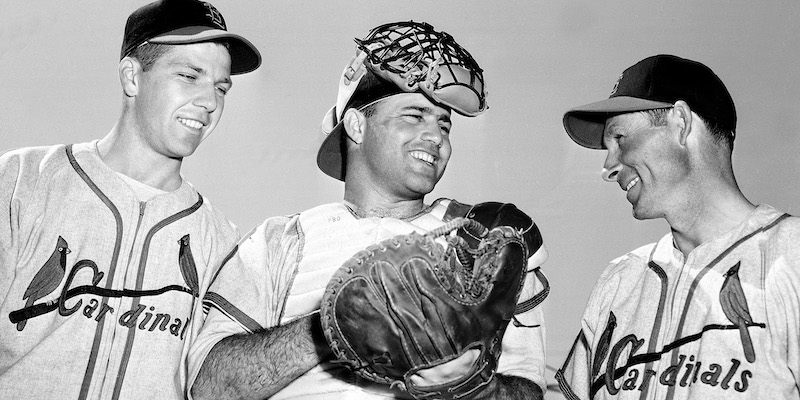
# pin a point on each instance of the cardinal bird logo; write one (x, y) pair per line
(187, 265)
(48, 278)
(734, 305)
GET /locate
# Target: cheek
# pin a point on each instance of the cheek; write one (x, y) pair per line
(446, 150)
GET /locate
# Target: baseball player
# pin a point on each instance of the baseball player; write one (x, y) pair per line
(388, 139)
(712, 309)
(105, 250)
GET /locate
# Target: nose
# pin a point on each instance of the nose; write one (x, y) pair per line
(207, 98)
(611, 168)
(432, 132)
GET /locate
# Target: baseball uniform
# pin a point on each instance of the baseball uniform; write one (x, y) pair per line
(98, 288)
(281, 273)
(723, 322)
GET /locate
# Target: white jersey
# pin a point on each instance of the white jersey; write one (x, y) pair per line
(722, 323)
(281, 272)
(99, 289)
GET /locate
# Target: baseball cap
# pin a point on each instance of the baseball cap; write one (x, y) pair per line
(655, 82)
(186, 22)
(401, 57)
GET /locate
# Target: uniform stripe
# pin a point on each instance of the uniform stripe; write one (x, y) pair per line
(112, 269)
(139, 280)
(224, 306)
(651, 347)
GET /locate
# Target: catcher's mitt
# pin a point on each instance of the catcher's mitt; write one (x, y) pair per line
(408, 304)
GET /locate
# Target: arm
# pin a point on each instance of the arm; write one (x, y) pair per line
(257, 365)
(243, 349)
(10, 171)
(512, 388)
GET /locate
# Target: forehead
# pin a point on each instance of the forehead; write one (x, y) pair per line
(210, 56)
(399, 102)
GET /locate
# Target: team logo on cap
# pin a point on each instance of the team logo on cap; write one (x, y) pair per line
(215, 16)
(616, 85)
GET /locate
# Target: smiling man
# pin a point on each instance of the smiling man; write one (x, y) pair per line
(388, 139)
(712, 309)
(105, 250)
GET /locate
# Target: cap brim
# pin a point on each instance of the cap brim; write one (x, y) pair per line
(329, 156)
(585, 124)
(245, 57)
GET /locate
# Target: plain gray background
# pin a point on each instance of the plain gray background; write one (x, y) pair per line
(58, 84)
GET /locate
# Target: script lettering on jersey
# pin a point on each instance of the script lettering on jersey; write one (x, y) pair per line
(621, 372)
(142, 316)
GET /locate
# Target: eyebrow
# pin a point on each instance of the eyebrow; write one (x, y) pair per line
(428, 110)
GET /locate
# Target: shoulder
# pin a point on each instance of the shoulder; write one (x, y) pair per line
(272, 230)
(781, 231)
(786, 227)
(39, 157)
(628, 265)
(223, 226)
(779, 248)
(31, 168)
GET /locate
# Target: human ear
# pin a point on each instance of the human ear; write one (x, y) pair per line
(354, 123)
(682, 119)
(128, 70)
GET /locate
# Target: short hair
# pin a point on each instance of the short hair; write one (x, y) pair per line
(148, 53)
(370, 109)
(658, 117)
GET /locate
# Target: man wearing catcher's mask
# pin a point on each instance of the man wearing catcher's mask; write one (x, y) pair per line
(383, 295)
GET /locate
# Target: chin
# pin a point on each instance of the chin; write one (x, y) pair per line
(643, 213)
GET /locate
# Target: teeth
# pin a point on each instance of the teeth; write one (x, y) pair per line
(422, 156)
(191, 123)
(631, 183)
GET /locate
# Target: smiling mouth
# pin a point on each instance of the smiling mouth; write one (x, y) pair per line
(191, 123)
(422, 156)
(632, 183)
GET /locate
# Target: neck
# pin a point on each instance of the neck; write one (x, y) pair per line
(125, 154)
(381, 207)
(704, 222)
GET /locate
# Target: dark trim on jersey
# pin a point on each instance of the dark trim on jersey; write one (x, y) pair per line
(213, 299)
(112, 269)
(140, 280)
(225, 262)
(566, 389)
(696, 282)
(538, 298)
(651, 347)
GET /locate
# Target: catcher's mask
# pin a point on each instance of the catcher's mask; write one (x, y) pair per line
(401, 57)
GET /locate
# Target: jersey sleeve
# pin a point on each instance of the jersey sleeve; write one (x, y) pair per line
(782, 285)
(249, 291)
(523, 343)
(576, 374)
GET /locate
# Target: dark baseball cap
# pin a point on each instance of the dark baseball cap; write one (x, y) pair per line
(186, 22)
(655, 82)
